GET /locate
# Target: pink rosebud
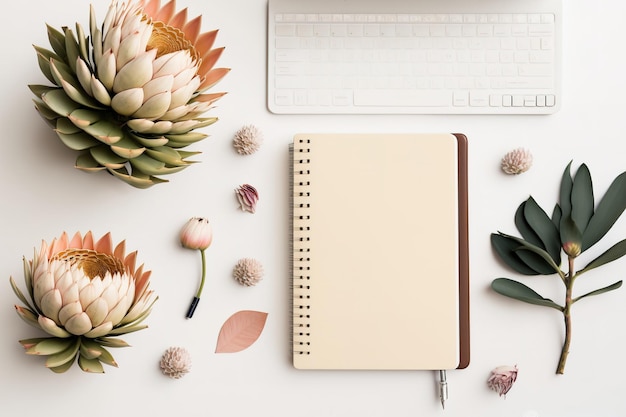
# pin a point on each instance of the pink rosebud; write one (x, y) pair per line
(197, 234)
(502, 378)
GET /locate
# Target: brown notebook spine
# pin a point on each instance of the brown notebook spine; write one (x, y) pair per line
(301, 248)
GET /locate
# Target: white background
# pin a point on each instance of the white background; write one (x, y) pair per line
(44, 195)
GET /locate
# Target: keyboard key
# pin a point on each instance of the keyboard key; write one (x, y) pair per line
(399, 98)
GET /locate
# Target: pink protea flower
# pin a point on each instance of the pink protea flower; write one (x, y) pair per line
(130, 94)
(83, 293)
(502, 379)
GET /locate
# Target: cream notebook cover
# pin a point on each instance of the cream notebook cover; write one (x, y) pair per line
(376, 251)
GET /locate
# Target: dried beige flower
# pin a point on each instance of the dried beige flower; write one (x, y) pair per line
(176, 362)
(517, 161)
(248, 271)
(247, 196)
(502, 378)
(247, 140)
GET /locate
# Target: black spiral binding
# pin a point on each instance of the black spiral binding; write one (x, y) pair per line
(301, 248)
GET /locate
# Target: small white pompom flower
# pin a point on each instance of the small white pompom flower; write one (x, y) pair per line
(517, 161)
(176, 362)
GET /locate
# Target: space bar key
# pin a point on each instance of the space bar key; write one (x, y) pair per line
(403, 98)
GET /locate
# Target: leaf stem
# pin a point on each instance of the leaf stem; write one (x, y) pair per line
(567, 316)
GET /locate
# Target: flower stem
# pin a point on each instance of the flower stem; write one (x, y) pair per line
(196, 299)
(569, 284)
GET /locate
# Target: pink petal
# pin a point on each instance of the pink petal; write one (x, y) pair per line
(191, 29)
(179, 19)
(205, 42)
(105, 244)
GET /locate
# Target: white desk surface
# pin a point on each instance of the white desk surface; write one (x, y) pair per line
(44, 195)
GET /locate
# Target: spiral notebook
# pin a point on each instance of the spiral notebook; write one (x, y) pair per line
(380, 254)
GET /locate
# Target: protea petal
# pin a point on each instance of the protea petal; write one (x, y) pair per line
(78, 324)
(99, 331)
(70, 310)
(136, 73)
(51, 304)
(50, 327)
(128, 102)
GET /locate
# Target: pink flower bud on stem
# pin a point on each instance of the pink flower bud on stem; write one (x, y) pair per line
(197, 234)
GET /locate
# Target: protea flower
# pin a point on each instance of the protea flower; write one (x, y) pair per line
(83, 293)
(130, 96)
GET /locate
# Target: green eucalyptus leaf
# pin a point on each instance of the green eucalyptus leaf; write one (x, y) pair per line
(565, 191)
(505, 248)
(599, 291)
(543, 227)
(556, 216)
(613, 253)
(517, 290)
(545, 256)
(609, 209)
(582, 198)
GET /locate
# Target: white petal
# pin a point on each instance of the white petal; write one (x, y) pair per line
(51, 327)
(112, 40)
(88, 294)
(147, 126)
(43, 283)
(68, 311)
(158, 85)
(130, 47)
(154, 107)
(101, 330)
(172, 63)
(119, 311)
(127, 102)
(182, 96)
(51, 304)
(100, 92)
(184, 77)
(70, 294)
(97, 311)
(136, 73)
(111, 296)
(106, 69)
(78, 324)
(183, 127)
(84, 75)
(175, 113)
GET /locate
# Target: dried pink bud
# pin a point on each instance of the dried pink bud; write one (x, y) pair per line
(196, 234)
(502, 378)
(248, 272)
(247, 196)
(517, 161)
(175, 362)
(247, 140)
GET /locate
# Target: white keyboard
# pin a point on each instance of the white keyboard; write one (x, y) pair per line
(414, 57)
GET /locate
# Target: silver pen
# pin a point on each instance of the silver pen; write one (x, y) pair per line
(443, 388)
